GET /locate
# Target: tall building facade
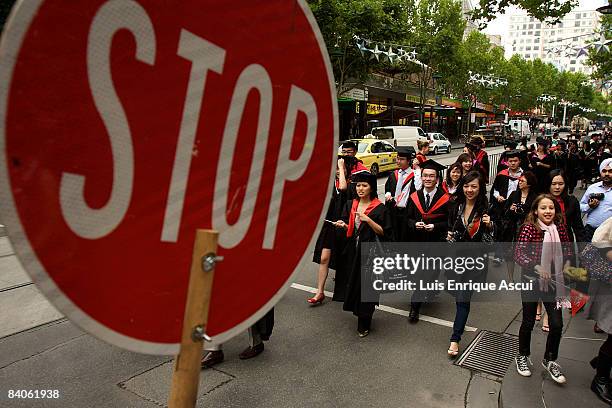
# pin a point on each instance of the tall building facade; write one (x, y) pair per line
(557, 44)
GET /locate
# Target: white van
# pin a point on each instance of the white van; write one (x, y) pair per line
(520, 128)
(402, 135)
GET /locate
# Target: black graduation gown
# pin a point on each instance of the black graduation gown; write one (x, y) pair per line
(398, 214)
(330, 236)
(541, 172)
(438, 219)
(513, 220)
(455, 223)
(501, 184)
(348, 275)
(482, 164)
(573, 219)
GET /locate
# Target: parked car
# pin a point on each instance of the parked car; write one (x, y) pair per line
(376, 155)
(438, 143)
(405, 136)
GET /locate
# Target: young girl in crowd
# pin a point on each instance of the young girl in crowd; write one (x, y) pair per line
(541, 251)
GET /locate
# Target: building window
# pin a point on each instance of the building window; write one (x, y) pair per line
(577, 23)
(527, 56)
(528, 48)
(537, 47)
(573, 62)
(530, 26)
(537, 33)
(572, 69)
(530, 33)
(524, 26)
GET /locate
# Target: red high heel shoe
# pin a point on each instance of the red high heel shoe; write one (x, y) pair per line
(316, 299)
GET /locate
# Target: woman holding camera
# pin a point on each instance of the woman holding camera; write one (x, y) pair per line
(468, 222)
(517, 207)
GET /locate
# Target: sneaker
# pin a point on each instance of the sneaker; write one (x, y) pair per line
(554, 370)
(522, 365)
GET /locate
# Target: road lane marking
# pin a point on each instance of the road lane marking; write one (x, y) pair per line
(389, 309)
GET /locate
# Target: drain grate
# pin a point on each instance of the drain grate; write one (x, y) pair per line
(490, 353)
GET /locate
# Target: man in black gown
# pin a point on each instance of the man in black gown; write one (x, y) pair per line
(400, 184)
(427, 215)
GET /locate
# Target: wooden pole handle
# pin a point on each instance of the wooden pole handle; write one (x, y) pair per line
(186, 374)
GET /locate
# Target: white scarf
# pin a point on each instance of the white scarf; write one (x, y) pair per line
(552, 253)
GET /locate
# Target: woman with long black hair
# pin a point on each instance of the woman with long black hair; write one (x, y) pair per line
(365, 219)
(468, 222)
(453, 177)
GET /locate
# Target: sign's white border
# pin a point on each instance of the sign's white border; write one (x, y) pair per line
(15, 30)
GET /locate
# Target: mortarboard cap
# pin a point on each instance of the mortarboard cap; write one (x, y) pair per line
(511, 145)
(405, 152)
(513, 153)
(432, 164)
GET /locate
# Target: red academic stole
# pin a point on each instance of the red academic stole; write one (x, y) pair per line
(445, 187)
(358, 167)
(562, 206)
(475, 227)
(506, 172)
(429, 215)
(480, 156)
(407, 180)
(351, 227)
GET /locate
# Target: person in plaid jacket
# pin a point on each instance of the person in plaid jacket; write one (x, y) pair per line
(542, 250)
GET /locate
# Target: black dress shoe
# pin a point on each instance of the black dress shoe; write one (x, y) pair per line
(211, 358)
(413, 316)
(601, 387)
(251, 352)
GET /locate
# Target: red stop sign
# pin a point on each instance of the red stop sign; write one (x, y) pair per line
(126, 125)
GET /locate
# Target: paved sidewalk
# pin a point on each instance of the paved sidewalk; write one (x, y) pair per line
(578, 346)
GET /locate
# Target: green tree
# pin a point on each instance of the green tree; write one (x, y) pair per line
(437, 28)
(341, 20)
(544, 10)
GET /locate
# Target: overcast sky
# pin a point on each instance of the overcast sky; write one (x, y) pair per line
(500, 24)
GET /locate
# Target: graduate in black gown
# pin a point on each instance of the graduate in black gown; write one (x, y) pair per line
(506, 182)
(400, 184)
(502, 164)
(541, 164)
(365, 219)
(330, 237)
(427, 215)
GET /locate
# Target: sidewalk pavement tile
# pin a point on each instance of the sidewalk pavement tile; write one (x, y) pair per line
(483, 393)
(23, 308)
(11, 272)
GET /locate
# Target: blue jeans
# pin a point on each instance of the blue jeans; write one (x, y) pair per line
(461, 316)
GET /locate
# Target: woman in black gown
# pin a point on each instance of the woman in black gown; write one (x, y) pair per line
(365, 219)
(330, 238)
(541, 163)
(517, 208)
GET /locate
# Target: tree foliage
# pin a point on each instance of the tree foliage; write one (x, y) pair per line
(544, 10)
(602, 61)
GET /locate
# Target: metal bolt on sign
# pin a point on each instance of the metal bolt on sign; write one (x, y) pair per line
(198, 334)
(209, 261)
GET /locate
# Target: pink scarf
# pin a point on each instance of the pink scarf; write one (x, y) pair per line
(552, 253)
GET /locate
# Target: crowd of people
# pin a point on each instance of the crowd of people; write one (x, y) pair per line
(530, 200)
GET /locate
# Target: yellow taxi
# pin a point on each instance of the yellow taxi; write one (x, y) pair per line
(377, 155)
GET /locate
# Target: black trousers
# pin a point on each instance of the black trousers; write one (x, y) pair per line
(604, 360)
(555, 323)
